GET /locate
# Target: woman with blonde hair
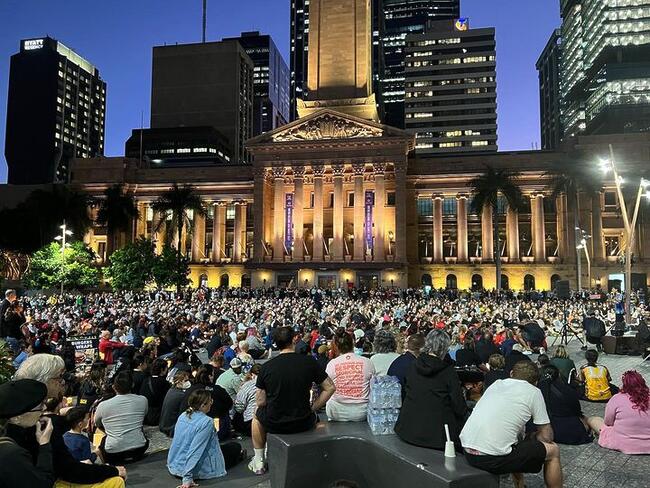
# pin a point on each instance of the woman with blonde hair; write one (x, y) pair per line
(195, 452)
(563, 363)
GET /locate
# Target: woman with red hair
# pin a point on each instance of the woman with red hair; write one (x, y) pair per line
(626, 426)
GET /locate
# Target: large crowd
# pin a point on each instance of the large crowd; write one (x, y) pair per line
(209, 367)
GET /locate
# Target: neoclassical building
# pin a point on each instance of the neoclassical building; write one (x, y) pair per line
(338, 199)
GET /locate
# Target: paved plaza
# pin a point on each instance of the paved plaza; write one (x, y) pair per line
(584, 466)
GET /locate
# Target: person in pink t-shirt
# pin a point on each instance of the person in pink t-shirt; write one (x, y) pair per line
(626, 426)
(351, 375)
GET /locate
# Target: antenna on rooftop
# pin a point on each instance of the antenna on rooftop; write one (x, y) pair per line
(205, 11)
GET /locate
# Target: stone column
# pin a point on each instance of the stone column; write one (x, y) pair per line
(438, 249)
(159, 235)
(597, 229)
(359, 208)
(239, 237)
(512, 226)
(380, 204)
(560, 222)
(538, 227)
(298, 217)
(337, 213)
(219, 232)
(487, 235)
(318, 213)
(198, 238)
(259, 183)
(400, 213)
(278, 214)
(141, 225)
(461, 227)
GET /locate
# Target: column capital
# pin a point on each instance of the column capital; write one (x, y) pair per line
(338, 170)
(462, 196)
(278, 172)
(318, 170)
(298, 171)
(220, 203)
(379, 168)
(240, 202)
(437, 196)
(536, 194)
(358, 168)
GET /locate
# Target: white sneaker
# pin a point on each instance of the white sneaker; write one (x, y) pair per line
(257, 467)
(542, 350)
(528, 353)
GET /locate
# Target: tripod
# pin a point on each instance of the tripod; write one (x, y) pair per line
(564, 333)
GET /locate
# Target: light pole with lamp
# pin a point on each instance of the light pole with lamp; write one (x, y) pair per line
(630, 227)
(64, 234)
(584, 237)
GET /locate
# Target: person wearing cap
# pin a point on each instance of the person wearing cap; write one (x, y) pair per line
(21, 407)
(232, 380)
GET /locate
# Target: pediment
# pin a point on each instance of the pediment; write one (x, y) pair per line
(327, 125)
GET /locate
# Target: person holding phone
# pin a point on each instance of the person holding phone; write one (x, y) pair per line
(21, 407)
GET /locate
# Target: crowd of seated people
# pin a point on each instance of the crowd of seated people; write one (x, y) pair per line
(458, 359)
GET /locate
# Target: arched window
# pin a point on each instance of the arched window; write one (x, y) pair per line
(477, 282)
(426, 280)
(505, 282)
(246, 281)
(529, 282)
(452, 282)
(203, 280)
(554, 279)
(224, 281)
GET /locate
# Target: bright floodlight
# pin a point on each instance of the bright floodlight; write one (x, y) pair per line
(620, 180)
(645, 183)
(58, 238)
(647, 194)
(68, 232)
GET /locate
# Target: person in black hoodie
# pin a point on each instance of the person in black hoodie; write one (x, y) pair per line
(433, 397)
(154, 388)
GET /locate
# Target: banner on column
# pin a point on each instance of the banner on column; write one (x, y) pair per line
(369, 202)
(288, 221)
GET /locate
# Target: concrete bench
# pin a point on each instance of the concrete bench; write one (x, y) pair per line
(349, 450)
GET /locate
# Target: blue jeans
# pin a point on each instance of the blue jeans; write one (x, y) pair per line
(12, 342)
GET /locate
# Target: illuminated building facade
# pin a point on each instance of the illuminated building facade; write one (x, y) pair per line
(451, 88)
(605, 76)
(55, 111)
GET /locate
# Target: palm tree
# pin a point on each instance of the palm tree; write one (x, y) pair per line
(571, 179)
(486, 189)
(116, 211)
(177, 202)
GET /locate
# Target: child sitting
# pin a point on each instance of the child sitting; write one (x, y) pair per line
(76, 440)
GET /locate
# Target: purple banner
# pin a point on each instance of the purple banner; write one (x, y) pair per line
(369, 202)
(288, 221)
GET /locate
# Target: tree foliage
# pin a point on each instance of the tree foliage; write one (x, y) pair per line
(131, 268)
(74, 268)
(169, 270)
(116, 212)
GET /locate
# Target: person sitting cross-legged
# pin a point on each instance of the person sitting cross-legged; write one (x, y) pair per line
(195, 452)
(492, 439)
(283, 388)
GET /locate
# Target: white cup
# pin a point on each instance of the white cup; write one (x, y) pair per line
(450, 449)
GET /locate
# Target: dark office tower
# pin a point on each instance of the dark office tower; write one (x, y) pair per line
(451, 89)
(400, 18)
(605, 74)
(205, 85)
(270, 82)
(299, 50)
(55, 112)
(548, 67)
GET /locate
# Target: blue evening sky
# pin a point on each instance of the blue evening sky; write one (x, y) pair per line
(117, 37)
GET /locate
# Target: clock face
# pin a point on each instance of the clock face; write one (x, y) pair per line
(462, 24)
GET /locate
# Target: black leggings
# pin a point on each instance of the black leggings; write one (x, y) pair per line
(124, 457)
(232, 453)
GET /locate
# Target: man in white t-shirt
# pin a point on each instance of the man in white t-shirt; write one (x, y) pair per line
(494, 435)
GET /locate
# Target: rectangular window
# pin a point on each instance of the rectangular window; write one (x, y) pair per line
(610, 199)
(331, 200)
(351, 199)
(390, 198)
(425, 207)
(230, 212)
(449, 206)
(311, 200)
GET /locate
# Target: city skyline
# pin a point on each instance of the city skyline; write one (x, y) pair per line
(123, 52)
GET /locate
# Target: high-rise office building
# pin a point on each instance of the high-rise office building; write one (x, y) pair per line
(450, 81)
(548, 67)
(55, 111)
(605, 73)
(299, 50)
(205, 84)
(270, 82)
(401, 18)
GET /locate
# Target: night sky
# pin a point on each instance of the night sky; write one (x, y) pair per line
(117, 37)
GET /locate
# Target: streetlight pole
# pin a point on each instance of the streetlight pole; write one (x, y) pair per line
(583, 245)
(64, 234)
(630, 227)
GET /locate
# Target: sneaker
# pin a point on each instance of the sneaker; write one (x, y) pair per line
(258, 468)
(542, 350)
(528, 353)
